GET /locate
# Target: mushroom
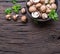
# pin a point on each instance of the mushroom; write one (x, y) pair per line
(48, 6)
(42, 1)
(24, 19)
(44, 16)
(35, 14)
(15, 17)
(53, 6)
(52, 1)
(23, 10)
(43, 8)
(48, 10)
(29, 3)
(32, 9)
(8, 17)
(46, 1)
(38, 5)
(36, 1)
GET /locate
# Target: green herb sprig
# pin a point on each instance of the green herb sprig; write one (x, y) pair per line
(53, 15)
(8, 11)
(16, 8)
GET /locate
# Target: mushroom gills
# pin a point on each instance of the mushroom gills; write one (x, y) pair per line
(35, 14)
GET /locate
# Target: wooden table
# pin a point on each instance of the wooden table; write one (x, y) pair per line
(19, 38)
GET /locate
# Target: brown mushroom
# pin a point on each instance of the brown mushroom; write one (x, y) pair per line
(8, 17)
(44, 16)
(23, 10)
(43, 8)
(48, 10)
(29, 3)
(46, 1)
(53, 6)
(15, 17)
(42, 1)
(52, 1)
(24, 19)
(32, 9)
(48, 6)
(38, 5)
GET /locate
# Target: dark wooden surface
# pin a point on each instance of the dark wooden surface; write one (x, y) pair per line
(19, 38)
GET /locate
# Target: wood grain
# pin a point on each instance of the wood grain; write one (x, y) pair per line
(29, 38)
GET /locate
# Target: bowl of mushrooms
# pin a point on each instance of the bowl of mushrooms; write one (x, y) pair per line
(42, 10)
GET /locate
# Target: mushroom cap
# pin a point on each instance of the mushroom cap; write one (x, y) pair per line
(8, 17)
(23, 10)
(44, 16)
(35, 14)
(46, 1)
(48, 10)
(32, 9)
(38, 5)
(29, 3)
(48, 6)
(52, 1)
(23, 18)
(53, 6)
(43, 8)
(15, 17)
(42, 1)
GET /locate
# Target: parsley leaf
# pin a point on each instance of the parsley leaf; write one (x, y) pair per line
(8, 11)
(53, 15)
(16, 8)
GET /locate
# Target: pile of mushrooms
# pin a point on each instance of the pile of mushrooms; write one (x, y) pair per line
(41, 8)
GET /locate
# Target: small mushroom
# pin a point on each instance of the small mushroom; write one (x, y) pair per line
(29, 3)
(53, 6)
(38, 5)
(52, 1)
(23, 10)
(36, 1)
(48, 10)
(35, 14)
(15, 17)
(48, 6)
(8, 17)
(43, 8)
(24, 19)
(32, 9)
(46, 1)
(42, 1)
(44, 16)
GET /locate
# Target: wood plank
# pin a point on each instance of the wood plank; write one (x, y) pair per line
(19, 38)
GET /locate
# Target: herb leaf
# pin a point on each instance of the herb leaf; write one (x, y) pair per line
(8, 11)
(53, 15)
(16, 8)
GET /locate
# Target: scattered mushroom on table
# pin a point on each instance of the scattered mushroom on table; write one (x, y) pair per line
(23, 19)
(42, 7)
(8, 17)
